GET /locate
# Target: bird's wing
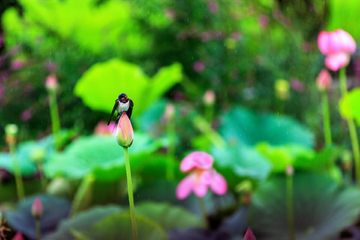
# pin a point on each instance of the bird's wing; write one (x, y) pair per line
(129, 111)
(113, 110)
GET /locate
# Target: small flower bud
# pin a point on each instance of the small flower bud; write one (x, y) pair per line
(249, 235)
(125, 132)
(282, 88)
(324, 80)
(209, 97)
(169, 111)
(38, 154)
(37, 209)
(18, 236)
(289, 170)
(51, 83)
(11, 131)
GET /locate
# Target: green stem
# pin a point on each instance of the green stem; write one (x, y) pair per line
(209, 112)
(55, 120)
(130, 194)
(326, 118)
(38, 229)
(171, 134)
(83, 194)
(17, 173)
(42, 176)
(203, 211)
(289, 206)
(352, 129)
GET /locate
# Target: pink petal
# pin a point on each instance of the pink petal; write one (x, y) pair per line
(184, 188)
(200, 160)
(18, 236)
(200, 188)
(336, 61)
(346, 41)
(324, 42)
(206, 177)
(249, 235)
(218, 184)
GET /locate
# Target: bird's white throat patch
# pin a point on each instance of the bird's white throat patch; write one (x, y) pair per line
(122, 107)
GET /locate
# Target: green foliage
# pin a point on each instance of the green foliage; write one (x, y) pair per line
(349, 105)
(26, 154)
(118, 226)
(343, 14)
(300, 157)
(82, 221)
(243, 126)
(321, 208)
(119, 76)
(241, 161)
(99, 155)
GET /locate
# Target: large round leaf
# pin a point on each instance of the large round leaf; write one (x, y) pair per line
(241, 161)
(244, 126)
(104, 82)
(321, 208)
(81, 221)
(118, 227)
(99, 155)
(169, 217)
(55, 210)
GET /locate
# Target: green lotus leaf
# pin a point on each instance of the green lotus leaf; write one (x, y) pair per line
(103, 82)
(247, 127)
(321, 208)
(99, 155)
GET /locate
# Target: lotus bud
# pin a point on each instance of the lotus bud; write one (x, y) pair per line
(38, 154)
(282, 88)
(169, 111)
(324, 80)
(11, 131)
(209, 97)
(51, 83)
(37, 209)
(249, 235)
(289, 170)
(125, 132)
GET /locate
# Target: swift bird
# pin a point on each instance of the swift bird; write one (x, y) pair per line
(122, 104)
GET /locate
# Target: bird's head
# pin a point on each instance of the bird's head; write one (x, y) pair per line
(123, 98)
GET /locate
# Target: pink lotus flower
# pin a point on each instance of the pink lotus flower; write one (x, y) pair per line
(125, 132)
(202, 176)
(324, 80)
(337, 46)
(249, 235)
(18, 236)
(198, 66)
(103, 129)
(51, 82)
(26, 115)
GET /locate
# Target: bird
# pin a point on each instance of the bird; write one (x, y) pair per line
(122, 104)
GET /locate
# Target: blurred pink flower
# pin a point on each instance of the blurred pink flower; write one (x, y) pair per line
(196, 160)
(324, 80)
(337, 46)
(201, 177)
(17, 64)
(1, 92)
(51, 82)
(198, 66)
(236, 36)
(170, 14)
(26, 115)
(249, 235)
(297, 85)
(206, 36)
(103, 129)
(18, 236)
(263, 21)
(213, 7)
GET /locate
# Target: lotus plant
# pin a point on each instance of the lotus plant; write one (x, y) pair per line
(323, 82)
(37, 212)
(125, 137)
(337, 46)
(202, 175)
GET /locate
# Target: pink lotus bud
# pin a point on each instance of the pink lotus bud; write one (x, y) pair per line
(17, 64)
(249, 235)
(289, 170)
(37, 209)
(324, 80)
(51, 82)
(334, 42)
(209, 97)
(18, 236)
(125, 132)
(199, 66)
